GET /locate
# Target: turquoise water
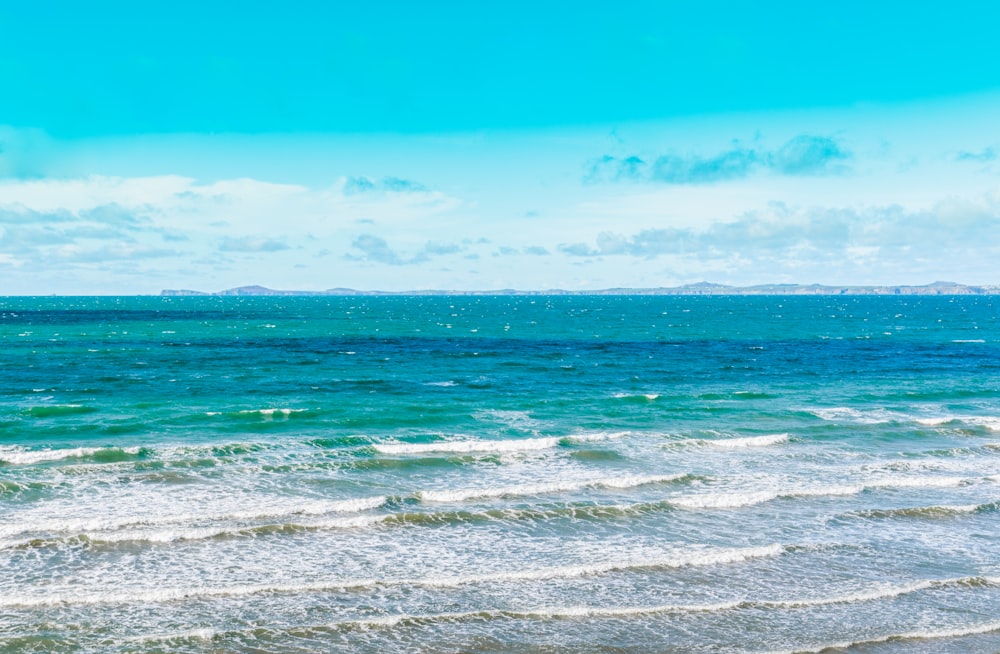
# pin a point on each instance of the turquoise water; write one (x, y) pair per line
(501, 474)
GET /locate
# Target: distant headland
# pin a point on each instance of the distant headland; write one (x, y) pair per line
(700, 288)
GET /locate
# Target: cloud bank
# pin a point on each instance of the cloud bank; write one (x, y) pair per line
(803, 155)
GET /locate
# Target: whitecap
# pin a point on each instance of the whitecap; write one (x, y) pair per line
(928, 634)
(21, 456)
(738, 499)
(724, 500)
(841, 414)
(738, 443)
(270, 413)
(527, 490)
(989, 422)
(463, 446)
(105, 525)
(679, 559)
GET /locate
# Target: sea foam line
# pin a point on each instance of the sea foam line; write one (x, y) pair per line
(522, 445)
(750, 498)
(717, 556)
(497, 446)
(586, 510)
(931, 511)
(571, 612)
(270, 413)
(203, 533)
(527, 490)
(855, 416)
(989, 422)
(93, 526)
(575, 612)
(737, 443)
(28, 457)
(955, 632)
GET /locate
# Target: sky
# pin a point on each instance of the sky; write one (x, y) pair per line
(477, 146)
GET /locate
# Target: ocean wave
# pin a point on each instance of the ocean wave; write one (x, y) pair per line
(59, 410)
(204, 533)
(596, 437)
(738, 499)
(411, 518)
(271, 413)
(515, 419)
(649, 397)
(527, 490)
(680, 559)
(540, 613)
(737, 443)
(931, 511)
(494, 446)
(848, 414)
(936, 421)
(989, 422)
(927, 634)
(724, 500)
(103, 528)
(21, 456)
(463, 446)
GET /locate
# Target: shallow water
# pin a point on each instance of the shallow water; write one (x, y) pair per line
(505, 474)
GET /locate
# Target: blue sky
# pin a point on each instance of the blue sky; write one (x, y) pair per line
(458, 145)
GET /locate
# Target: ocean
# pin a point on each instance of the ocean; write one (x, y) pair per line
(500, 474)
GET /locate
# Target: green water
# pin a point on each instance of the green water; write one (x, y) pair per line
(505, 474)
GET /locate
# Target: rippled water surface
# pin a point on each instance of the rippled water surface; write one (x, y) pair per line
(500, 474)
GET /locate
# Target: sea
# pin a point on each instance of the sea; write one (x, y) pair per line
(507, 474)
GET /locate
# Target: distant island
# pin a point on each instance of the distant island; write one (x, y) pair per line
(700, 288)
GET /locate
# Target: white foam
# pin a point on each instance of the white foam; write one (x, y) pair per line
(955, 632)
(21, 456)
(496, 446)
(947, 509)
(704, 557)
(724, 500)
(884, 592)
(202, 533)
(575, 612)
(936, 421)
(463, 446)
(719, 556)
(918, 482)
(270, 413)
(201, 633)
(740, 443)
(731, 500)
(648, 396)
(527, 490)
(103, 525)
(516, 419)
(841, 414)
(597, 436)
(989, 422)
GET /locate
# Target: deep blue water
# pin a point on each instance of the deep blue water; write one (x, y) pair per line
(509, 474)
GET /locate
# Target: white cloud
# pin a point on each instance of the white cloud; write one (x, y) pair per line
(511, 210)
(170, 223)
